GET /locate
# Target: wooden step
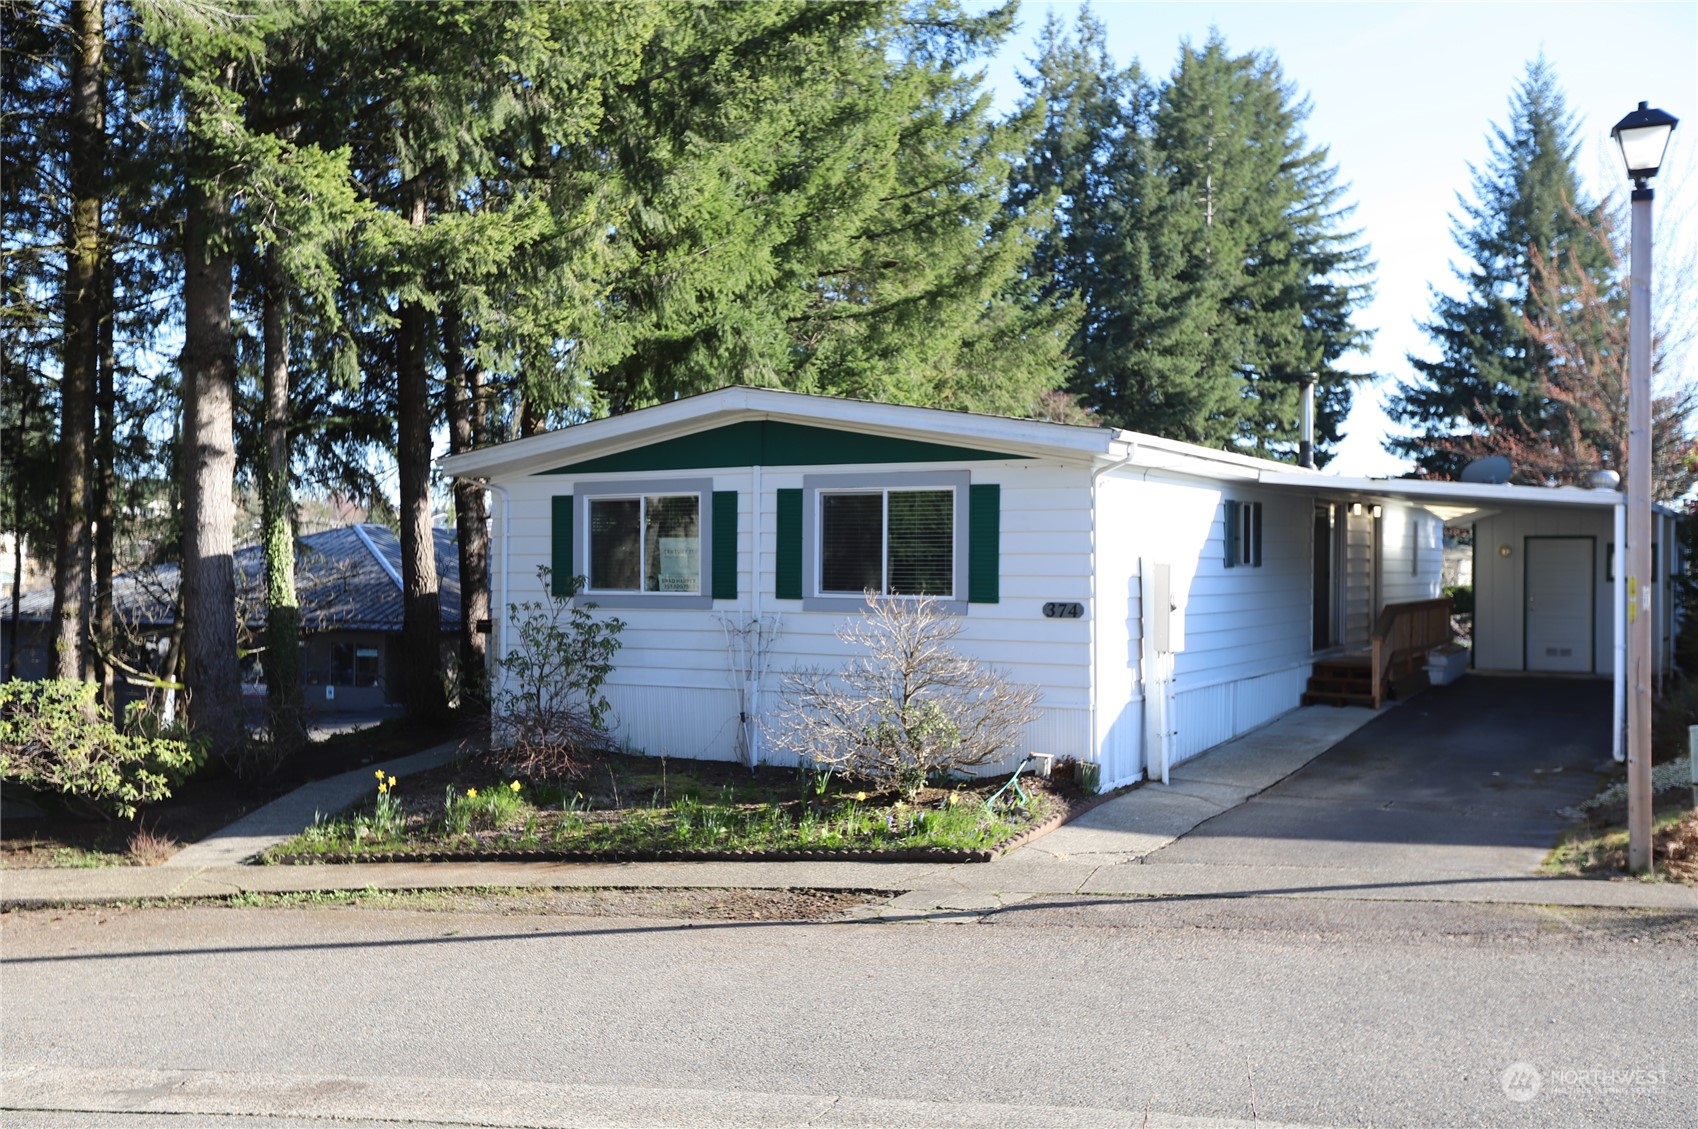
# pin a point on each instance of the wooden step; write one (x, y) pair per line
(1337, 698)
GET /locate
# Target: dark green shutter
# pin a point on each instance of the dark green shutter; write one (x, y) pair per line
(1256, 534)
(984, 543)
(787, 554)
(1230, 533)
(725, 544)
(560, 566)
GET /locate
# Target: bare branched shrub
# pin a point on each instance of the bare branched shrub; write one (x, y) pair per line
(907, 707)
(549, 710)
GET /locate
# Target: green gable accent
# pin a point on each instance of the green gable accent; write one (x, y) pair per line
(560, 562)
(725, 544)
(984, 543)
(771, 443)
(787, 563)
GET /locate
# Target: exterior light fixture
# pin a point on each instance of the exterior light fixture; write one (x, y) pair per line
(1356, 509)
(1643, 136)
(1377, 511)
(1504, 550)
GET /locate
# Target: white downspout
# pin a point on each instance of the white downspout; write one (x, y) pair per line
(1619, 679)
(754, 722)
(499, 612)
(1095, 605)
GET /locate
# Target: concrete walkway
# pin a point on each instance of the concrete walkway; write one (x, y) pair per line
(1114, 850)
(287, 816)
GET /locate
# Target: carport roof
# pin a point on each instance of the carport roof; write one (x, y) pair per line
(1450, 501)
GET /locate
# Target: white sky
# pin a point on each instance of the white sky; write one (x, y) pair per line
(1404, 94)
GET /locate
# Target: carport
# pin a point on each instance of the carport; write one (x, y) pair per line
(1548, 597)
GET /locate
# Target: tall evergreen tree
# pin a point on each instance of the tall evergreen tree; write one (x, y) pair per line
(1091, 143)
(810, 201)
(1206, 236)
(1527, 201)
(86, 147)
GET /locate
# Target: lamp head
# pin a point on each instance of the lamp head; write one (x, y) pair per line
(1643, 136)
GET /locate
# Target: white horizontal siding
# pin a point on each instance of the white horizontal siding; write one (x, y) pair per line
(672, 687)
(1247, 631)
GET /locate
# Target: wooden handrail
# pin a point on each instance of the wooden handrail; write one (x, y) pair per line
(1416, 625)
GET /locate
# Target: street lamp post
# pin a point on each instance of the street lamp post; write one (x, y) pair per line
(1642, 135)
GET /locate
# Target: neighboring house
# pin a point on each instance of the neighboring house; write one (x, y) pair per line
(348, 584)
(1164, 597)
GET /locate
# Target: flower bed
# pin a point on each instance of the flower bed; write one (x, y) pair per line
(630, 808)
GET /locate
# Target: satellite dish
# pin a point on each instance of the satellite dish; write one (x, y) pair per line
(1493, 470)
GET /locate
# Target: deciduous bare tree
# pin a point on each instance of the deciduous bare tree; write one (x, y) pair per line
(1581, 328)
(908, 706)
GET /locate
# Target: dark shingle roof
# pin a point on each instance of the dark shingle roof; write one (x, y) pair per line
(346, 579)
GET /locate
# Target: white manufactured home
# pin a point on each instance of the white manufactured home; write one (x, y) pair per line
(1164, 597)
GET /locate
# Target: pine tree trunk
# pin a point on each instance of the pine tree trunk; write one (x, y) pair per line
(72, 549)
(284, 695)
(210, 673)
(471, 518)
(105, 635)
(421, 615)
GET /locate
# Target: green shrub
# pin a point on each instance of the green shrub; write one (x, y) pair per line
(548, 705)
(482, 809)
(56, 737)
(1461, 598)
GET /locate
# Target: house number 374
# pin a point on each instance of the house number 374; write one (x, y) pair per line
(1061, 609)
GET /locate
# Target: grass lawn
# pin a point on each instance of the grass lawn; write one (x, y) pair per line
(633, 805)
(1597, 847)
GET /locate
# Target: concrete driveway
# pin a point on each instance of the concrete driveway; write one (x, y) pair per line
(1461, 782)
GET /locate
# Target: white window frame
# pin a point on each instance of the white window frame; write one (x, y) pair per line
(814, 486)
(586, 493)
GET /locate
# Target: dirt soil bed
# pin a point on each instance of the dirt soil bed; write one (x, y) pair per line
(630, 808)
(671, 904)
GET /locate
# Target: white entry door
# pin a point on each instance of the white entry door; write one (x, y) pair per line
(1560, 603)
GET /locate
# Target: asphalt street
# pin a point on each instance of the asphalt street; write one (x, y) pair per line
(1058, 1011)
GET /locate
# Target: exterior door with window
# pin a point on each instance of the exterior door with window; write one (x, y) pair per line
(1559, 604)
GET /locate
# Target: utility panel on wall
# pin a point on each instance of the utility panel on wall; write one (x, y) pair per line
(1164, 619)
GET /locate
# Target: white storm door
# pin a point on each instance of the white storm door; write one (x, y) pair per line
(1560, 604)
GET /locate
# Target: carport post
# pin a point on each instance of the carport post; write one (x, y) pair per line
(1618, 735)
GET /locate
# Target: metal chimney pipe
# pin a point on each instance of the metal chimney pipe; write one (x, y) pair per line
(1306, 448)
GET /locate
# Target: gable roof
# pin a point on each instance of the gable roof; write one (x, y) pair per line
(877, 432)
(346, 579)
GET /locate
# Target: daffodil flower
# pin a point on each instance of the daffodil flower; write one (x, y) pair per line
(471, 793)
(860, 797)
(392, 782)
(514, 786)
(378, 774)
